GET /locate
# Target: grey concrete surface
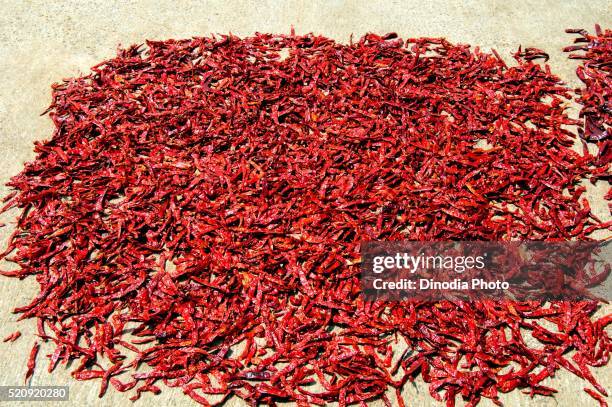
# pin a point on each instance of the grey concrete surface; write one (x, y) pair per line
(42, 42)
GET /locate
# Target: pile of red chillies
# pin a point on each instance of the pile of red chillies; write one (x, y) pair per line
(596, 96)
(195, 219)
(596, 74)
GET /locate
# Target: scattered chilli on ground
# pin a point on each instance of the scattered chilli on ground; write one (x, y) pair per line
(596, 73)
(195, 219)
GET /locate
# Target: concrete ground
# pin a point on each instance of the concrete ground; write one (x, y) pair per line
(42, 42)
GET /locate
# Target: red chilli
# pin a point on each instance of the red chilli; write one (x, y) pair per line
(12, 337)
(32, 361)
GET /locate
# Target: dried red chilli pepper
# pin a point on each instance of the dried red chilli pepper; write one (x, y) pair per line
(31, 364)
(208, 196)
(12, 337)
(531, 54)
(596, 396)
